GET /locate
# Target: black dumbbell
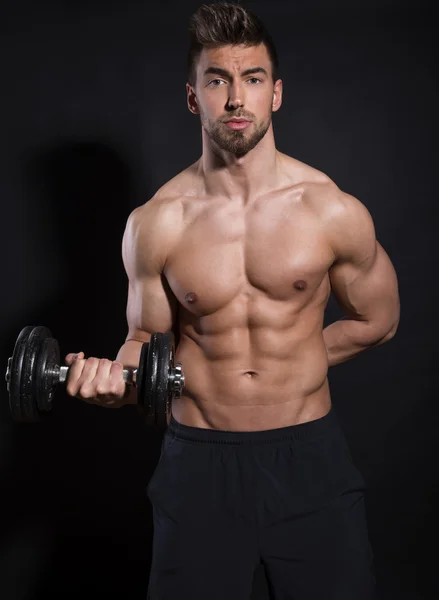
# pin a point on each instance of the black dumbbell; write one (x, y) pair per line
(34, 373)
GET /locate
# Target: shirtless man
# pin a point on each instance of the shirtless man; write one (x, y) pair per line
(238, 255)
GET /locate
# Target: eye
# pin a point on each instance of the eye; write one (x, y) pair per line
(255, 80)
(215, 82)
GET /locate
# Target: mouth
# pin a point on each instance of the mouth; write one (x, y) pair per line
(237, 124)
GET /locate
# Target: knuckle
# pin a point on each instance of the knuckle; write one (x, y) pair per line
(116, 389)
(71, 389)
(86, 392)
(101, 389)
(116, 375)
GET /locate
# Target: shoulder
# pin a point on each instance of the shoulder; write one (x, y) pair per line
(336, 208)
(345, 213)
(164, 211)
(322, 193)
(345, 220)
(348, 224)
(317, 191)
(154, 229)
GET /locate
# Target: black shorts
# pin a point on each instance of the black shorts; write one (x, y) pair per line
(290, 498)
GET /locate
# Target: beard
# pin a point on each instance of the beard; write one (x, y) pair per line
(235, 142)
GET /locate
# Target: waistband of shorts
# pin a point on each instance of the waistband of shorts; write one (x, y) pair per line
(302, 431)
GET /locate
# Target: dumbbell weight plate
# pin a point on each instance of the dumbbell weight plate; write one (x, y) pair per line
(29, 379)
(153, 379)
(146, 378)
(140, 377)
(46, 374)
(165, 354)
(150, 379)
(15, 372)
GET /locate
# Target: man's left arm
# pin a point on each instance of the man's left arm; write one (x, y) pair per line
(363, 281)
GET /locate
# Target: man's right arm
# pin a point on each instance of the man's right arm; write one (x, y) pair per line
(151, 306)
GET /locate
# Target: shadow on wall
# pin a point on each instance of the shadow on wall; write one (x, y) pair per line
(75, 483)
(87, 191)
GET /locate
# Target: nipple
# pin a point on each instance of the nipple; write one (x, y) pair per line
(300, 285)
(190, 298)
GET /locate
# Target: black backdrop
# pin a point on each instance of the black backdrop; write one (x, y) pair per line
(93, 120)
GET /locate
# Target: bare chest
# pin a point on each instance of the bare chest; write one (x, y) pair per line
(278, 253)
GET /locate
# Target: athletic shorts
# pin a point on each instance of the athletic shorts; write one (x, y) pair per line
(289, 498)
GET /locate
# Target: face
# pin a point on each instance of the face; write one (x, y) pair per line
(235, 96)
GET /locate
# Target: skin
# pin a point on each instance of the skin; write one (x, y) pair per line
(238, 255)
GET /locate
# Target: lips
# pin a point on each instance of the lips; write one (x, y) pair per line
(237, 124)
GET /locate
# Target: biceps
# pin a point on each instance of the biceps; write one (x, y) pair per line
(368, 292)
(151, 307)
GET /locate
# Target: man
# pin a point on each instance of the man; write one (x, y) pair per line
(238, 255)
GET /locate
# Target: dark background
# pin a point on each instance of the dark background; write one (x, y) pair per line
(93, 121)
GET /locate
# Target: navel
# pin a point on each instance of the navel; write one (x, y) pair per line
(250, 374)
(191, 297)
(300, 285)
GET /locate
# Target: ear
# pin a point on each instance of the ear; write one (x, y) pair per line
(192, 100)
(277, 95)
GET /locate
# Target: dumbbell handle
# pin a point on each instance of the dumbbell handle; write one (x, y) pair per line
(60, 374)
(129, 375)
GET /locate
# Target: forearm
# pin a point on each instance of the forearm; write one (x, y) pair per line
(346, 338)
(129, 356)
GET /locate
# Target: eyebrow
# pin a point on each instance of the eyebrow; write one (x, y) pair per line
(228, 75)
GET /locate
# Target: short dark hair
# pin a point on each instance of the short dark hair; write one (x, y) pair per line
(221, 24)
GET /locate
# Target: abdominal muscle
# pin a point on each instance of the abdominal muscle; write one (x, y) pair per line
(243, 389)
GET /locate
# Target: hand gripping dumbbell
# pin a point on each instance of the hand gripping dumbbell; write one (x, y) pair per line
(34, 373)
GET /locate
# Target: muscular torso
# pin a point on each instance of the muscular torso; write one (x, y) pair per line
(251, 280)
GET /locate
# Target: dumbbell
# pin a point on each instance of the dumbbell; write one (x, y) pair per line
(34, 373)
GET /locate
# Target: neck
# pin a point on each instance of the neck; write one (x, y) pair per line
(239, 176)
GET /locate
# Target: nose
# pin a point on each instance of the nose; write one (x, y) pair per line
(236, 97)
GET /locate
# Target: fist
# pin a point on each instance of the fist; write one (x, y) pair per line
(95, 380)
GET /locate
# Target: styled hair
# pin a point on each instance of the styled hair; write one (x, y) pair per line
(221, 24)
